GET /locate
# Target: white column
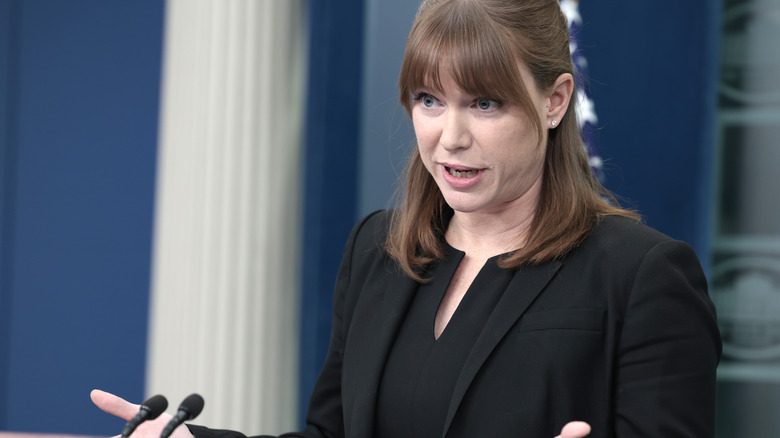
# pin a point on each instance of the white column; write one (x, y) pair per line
(224, 305)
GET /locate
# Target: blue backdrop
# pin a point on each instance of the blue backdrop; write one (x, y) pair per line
(653, 73)
(80, 87)
(331, 156)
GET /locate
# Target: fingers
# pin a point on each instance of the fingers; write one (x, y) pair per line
(113, 405)
(575, 429)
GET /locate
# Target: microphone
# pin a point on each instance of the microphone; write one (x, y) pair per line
(150, 409)
(188, 410)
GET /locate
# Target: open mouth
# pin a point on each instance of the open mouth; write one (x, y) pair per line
(462, 173)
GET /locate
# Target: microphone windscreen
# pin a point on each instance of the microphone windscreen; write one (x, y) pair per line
(193, 404)
(156, 405)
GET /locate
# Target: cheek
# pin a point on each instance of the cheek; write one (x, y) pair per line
(426, 154)
(426, 138)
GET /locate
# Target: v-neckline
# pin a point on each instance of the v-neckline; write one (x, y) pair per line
(454, 259)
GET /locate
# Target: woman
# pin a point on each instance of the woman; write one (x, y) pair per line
(506, 296)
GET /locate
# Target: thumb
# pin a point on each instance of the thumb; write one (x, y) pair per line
(113, 405)
(575, 429)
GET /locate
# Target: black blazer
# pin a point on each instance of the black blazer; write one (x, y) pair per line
(620, 333)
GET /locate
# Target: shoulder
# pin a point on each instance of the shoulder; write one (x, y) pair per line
(365, 246)
(624, 236)
(371, 231)
(621, 249)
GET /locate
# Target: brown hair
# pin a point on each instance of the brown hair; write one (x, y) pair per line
(482, 43)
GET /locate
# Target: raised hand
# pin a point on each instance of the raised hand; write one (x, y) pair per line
(123, 409)
(575, 429)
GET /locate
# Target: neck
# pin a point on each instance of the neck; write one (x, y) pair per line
(486, 235)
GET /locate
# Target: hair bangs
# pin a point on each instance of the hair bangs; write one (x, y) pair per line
(463, 43)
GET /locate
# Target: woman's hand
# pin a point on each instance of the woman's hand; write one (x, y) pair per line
(126, 410)
(575, 429)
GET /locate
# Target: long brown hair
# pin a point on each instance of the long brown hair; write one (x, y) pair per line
(482, 43)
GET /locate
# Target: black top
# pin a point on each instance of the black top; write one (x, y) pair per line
(421, 371)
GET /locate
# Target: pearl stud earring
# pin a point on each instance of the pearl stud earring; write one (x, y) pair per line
(554, 123)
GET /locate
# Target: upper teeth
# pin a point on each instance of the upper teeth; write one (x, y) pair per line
(462, 173)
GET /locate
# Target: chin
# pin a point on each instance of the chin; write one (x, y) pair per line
(463, 207)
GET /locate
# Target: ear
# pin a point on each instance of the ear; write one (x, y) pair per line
(558, 99)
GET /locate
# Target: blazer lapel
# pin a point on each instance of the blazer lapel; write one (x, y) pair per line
(377, 340)
(526, 285)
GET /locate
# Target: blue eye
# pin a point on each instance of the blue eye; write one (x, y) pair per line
(426, 100)
(487, 104)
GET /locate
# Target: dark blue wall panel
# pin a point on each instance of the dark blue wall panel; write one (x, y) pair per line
(77, 212)
(331, 157)
(8, 35)
(652, 73)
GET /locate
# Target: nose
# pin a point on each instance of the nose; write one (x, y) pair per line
(455, 131)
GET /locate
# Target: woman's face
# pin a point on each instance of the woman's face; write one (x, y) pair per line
(484, 155)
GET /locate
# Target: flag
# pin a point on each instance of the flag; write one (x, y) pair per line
(586, 111)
